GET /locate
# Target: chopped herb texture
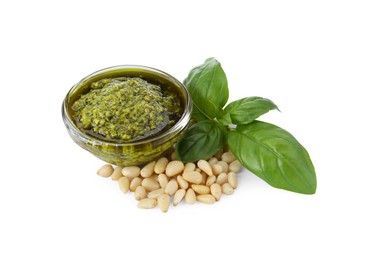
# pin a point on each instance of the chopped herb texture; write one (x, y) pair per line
(126, 109)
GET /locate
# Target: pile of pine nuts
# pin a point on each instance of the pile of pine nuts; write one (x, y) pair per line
(154, 184)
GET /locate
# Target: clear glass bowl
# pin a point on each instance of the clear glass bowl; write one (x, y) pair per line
(127, 153)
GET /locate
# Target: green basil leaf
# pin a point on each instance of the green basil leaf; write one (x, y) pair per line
(246, 110)
(225, 119)
(201, 140)
(207, 85)
(198, 115)
(274, 155)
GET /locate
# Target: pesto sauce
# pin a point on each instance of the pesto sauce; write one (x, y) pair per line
(126, 109)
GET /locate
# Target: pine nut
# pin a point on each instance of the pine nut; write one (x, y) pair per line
(155, 193)
(124, 184)
(178, 196)
(200, 189)
(117, 174)
(163, 180)
(174, 167)
(225, 166)
(140, 193)
(161, 165)
(163, 202)
(131, 171)
(189, 167)
(182, 183)
(207, 199)
(205, 166)
(171, 188)
(154, 184)
(192, 177)
(216, 191)
(147, 203)
(210, 180)
(190, 196)
(227, 189)
(235, 166)
(228, 157)
(213, 161)
(217, 169)
(135, 183)
(232, 179)
(222, 178)
(150, 184)
(148, 170)
(105, 171)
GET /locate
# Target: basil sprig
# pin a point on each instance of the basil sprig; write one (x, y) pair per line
(270, 152)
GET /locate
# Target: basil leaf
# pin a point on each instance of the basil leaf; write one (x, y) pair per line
(246, 110)
(274, 155)
(201, 140)
(197, 114)
(207, 85)
(225, 120)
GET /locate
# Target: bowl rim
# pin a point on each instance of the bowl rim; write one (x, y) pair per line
(175, 129)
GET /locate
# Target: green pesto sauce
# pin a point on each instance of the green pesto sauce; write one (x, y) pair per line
(126, 109)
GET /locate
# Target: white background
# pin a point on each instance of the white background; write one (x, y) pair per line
(321, 62)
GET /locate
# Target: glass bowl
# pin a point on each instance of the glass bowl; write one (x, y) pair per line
(135, 152)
